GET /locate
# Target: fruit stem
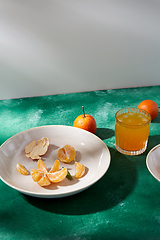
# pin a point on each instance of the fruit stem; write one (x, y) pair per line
(83, 112)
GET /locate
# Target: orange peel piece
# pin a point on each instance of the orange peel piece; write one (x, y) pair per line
(35, 150)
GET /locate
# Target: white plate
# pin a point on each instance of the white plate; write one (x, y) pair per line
(90, 150)
(153, 162)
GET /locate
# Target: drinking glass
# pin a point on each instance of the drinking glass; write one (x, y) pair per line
(132, 127)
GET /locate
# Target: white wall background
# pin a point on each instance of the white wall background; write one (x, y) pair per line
(61, 46)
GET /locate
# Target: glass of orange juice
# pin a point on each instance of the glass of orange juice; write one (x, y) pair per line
(132, 127)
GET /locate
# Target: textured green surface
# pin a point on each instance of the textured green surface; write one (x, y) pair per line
(124, 204)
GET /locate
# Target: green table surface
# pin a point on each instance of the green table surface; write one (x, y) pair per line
(123, 204)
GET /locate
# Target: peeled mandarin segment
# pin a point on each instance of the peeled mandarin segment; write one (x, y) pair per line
(79, 170)
(36, 175)
(44, 181)
(41, 166)
(21, 169)
(55, 166)
(57, 176)
(66, 154)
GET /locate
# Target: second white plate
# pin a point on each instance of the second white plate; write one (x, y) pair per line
(90, 150)
(153, 162)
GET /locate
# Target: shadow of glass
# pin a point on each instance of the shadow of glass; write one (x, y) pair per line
(157, 119)
(104, 133)
(110, 190)
(152, 142)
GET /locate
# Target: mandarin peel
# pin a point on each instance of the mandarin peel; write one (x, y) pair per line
(35, 150)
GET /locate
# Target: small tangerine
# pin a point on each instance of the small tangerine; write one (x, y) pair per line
(86, 122)
(149, 106)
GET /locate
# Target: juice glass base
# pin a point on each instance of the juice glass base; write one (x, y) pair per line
(131, 153)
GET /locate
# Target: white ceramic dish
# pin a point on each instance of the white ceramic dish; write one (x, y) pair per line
(153, 162)
(90, 150)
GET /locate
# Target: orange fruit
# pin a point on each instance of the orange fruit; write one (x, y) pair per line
(149, 106)
(86, 122)
(21, 169)
(79, 170)
(67, 153)
(55, 166)
(57, 176)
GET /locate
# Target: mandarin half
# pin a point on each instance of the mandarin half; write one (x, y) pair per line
(66, 154)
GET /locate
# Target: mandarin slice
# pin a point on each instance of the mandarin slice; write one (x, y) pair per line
(79, 170)
(66, 154)
(41, 166)
(40, 177)
(21, 169)
(57, 176)
(44, 181)
(55, 166)
(36, 175)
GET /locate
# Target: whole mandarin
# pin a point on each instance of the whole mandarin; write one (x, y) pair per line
(86, 122)
(149, 106)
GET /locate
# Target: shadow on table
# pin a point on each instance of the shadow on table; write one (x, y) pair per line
(157, 119)
(104, 133)
(110, 190)
(152, 142)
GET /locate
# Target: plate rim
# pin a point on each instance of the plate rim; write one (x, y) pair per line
(147, 161)
(63, 193)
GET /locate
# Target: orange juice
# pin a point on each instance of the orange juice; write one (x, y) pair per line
(132, 127)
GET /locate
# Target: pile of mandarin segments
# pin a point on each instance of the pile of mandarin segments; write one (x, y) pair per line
(42, 175)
